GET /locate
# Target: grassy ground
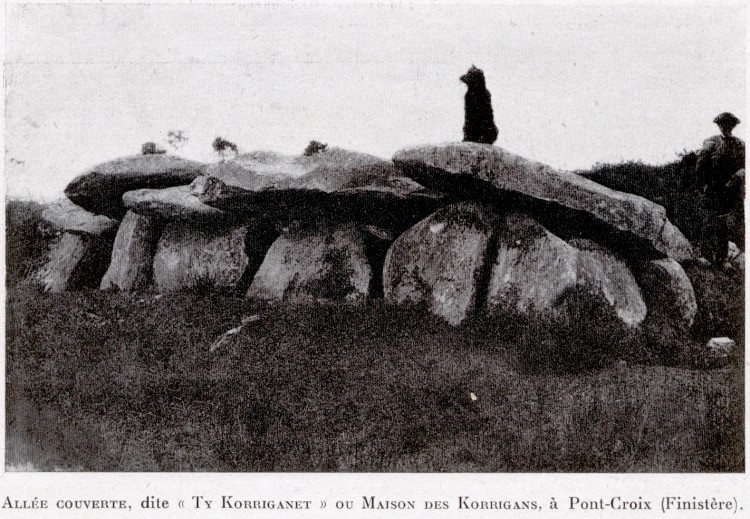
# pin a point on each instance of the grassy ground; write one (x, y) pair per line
(115, 382)
(107, 381)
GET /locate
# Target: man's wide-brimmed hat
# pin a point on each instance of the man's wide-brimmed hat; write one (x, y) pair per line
(726, 119)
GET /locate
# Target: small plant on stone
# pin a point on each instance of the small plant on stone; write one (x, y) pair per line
(225, 149)
(314, 147)
(177, 139)
(150, 148)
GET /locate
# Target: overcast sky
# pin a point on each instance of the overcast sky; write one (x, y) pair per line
(571, 86)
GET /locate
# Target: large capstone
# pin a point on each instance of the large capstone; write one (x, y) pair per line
(66, 216)
(327, 171)
(170, 203)
(561, 200)
(331, 185)
(100, 189)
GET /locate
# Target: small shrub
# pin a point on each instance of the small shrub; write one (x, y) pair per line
(314, 147)
(149, 148)
(224, 148)
(177, 139)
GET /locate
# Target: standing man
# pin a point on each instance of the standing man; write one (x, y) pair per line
(721, 158)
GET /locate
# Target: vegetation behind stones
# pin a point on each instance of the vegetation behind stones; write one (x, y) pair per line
(667, 185)
(27, 238)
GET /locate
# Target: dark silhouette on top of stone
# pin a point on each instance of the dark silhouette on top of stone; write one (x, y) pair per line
(149, 148)
(224, 148)
(314, 147)
(479, 125)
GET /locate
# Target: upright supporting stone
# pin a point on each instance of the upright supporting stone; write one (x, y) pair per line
(315, 265)
(533, 267)
(600, 269)
(440, 262)
(74, 261)
(132, 253)
(189, 256)
(535, 271)
(666, 286)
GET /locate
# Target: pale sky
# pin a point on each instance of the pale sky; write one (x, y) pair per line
(571, 86)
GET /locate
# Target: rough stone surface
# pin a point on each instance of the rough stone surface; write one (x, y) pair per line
(603, 272)
(459, 166)
(188, 256)
(204, 186)
(396, 203)
(718, 352)
(333, 185)
(132, 253)
(327, 171)
(315, 265)
(171, 203)
(534, 269)
(665, 285)
(439, 262)
(74, 261)
(736, 257)
(66, 216)
(393, 204)
(100, 189)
